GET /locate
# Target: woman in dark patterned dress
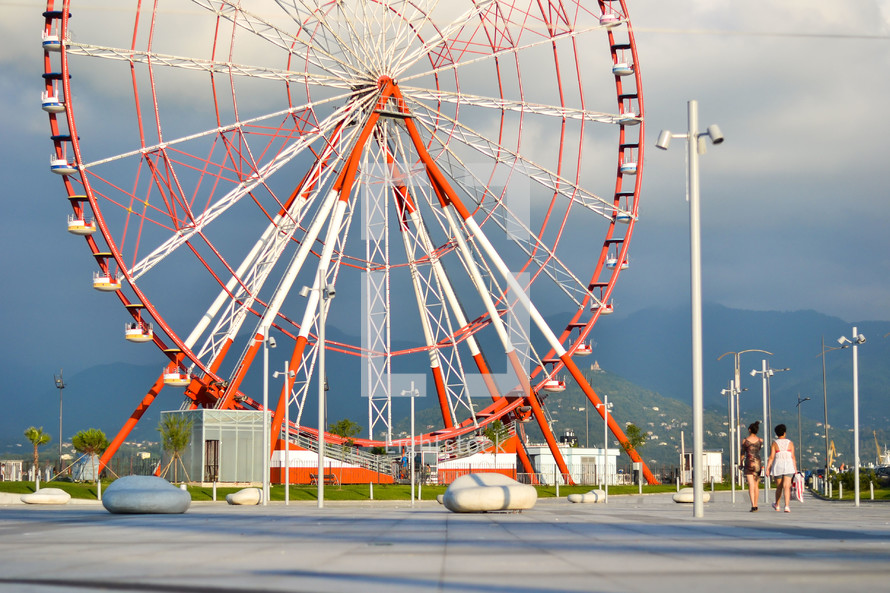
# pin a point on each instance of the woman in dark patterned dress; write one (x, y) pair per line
(751, 462)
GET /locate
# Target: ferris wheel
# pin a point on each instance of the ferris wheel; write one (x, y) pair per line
(463, 175)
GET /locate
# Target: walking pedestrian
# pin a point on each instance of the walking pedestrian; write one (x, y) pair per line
(752, 462)
(782, 466)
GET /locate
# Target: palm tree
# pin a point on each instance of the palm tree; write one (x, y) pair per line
(90, 442)
(176, 433)
(38, 438)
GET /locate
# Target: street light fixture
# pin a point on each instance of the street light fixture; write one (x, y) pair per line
(799, 436)
(845, 342)
(695, 144)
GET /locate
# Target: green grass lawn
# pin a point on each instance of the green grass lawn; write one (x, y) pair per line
(381, 491)
(304, 492)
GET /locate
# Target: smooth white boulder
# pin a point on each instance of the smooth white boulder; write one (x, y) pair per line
(593, 496)
(248, 496)
(440, 498)
(47, 496)
(145, 494)
(687, 495)
(479, 493)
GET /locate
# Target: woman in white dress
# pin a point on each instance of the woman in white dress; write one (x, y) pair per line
(782, 467)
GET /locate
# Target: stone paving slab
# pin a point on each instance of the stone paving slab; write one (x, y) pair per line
(632, 544)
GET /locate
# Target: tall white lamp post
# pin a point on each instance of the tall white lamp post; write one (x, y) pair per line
(605, 406)
(695, 143)
(268, 342)
(799, 434)
(326, 293)
(60, 385)
(289, 374)
(413, 392)
(825, 411)
(854, 341)
(732, 392)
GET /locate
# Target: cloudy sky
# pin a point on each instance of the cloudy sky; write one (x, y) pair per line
(794, 203)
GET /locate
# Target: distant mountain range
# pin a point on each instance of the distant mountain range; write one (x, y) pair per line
(645, 357)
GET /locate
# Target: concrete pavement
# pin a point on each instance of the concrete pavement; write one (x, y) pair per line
(633, 544)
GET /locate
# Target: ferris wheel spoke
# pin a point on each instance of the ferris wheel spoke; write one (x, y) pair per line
(255, 270)
(502, 104)
(317, 16)
(275, 35)
(155, 59)
(440, 40)
(537, 250)
(494, 150)
(244, 125)
(242, 189)
(496, 54)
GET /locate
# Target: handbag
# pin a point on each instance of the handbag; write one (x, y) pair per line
(797, 485)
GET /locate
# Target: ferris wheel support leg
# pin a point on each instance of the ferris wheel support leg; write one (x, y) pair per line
(439, 383)
(526, 462)
(538, 413)
(131, 422)
(582, 382)
(281, 407)
(275, 304)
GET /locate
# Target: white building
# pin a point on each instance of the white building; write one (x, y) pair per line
(584, 464)
(713, 467)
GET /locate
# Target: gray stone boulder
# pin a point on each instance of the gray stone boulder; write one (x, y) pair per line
(47, 496)
(686, 495)
(144, 494)
(593, 496)
(247, 496)
(485, 492)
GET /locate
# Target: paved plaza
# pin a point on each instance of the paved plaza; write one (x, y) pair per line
(632, 544)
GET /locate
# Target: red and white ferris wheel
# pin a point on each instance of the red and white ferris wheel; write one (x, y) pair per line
(465, 175)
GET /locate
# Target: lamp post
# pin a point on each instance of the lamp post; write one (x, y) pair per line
(60, 385)
(799, 435)
(854, 341)
(825, 410)
(765, 374)
(325, 292)
(605, 406)
(290, 374)
(695, 143)
(732, 392)
(268, 342)
(412, 393)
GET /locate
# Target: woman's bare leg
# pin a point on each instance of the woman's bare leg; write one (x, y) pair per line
(753, 490)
